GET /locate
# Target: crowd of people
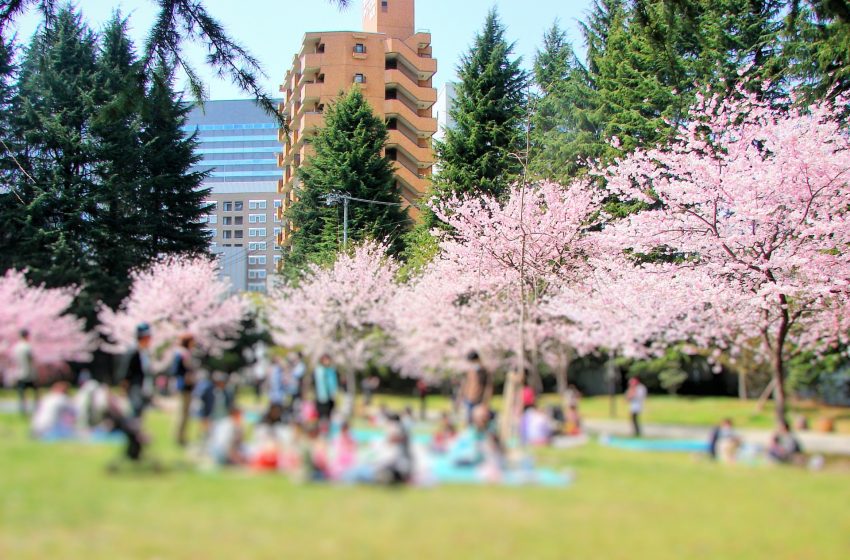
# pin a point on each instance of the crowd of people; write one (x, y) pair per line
(304, 432)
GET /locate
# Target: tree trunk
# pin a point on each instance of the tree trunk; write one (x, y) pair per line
(562, 382)
(779, 389)
(742, 386)
(612, 389)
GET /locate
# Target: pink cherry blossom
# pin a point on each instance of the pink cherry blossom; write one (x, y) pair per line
(757, 199)
(175, 296)
(56, 336)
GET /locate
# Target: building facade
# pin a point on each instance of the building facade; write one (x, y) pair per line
(239, 144)
(391, 63)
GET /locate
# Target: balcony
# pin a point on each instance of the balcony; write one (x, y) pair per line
(310, 92)
(422, 156)
(310, 122)
(425, 96)
(311, 62)
(425, 67)
(424, 126)
(414, 182)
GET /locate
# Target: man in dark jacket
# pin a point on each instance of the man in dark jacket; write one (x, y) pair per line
(138, 372)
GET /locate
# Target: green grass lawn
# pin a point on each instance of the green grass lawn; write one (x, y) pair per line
(58, 502)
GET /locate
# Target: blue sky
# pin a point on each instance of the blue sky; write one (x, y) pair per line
(272, 29)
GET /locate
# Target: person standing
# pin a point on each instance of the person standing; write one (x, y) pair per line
(138, 372)
(636, 395)
(326, 387)
(477, 387)
(23, 355)
(185, 372)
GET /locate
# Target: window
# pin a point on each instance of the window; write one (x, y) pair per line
(256, 287)
(237, 221)
(385, 4)
(213, 219)
(211, 205)
(277, 259)
(237, 206)
(256, 205)
(257, 259)
(360, 48)
(278, 203)
(227, 221)
(203, 219)
(228, 207)
(237, 233)
(256, 232)
(276, 231)
(256, 274)
(256, 218)
(226, 234)
(211, 232)
(276, 218)
(257, 246)
(359, 79)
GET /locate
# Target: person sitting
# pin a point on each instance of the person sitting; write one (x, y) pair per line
(90, 403)
(784, 447)
(724, 443)
(226, 439)
(535, 428)
(216, 400)
(444, 435)
(480, 446)
(268, 439)
(314, 454)
(343, 452)
(55, 415)
(394, 460)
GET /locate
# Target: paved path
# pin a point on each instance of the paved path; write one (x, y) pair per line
(812, 442)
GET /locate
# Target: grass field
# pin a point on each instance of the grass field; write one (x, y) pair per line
(688, 411)
(58, 502)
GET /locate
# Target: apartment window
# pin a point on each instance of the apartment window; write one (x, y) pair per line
(359, 78)
(257, 259)
(237, 221)
(257, 246)
(226, 234)
(203, 219)
(256, 287)
(237, 206)
(237, 233)
(276, 218)
(256, 205)
(320, 48)
(360, 48)
(211, 231)
(278, 203)
(256, 274)
(227, 221)
(277, 259)
(228, 206)
(385, 4)
(213, 219)
(211, 205)
(256, 232)
(256, 218)
(276, 231)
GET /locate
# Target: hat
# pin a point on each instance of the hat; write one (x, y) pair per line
(143, 329)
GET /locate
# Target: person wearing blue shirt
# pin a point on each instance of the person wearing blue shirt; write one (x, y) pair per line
(326, 386)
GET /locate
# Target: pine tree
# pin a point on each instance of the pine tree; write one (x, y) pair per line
(115, 127)
(8, 168)
(54, 227)
(171, 197)
(478, 153)
(348, 159)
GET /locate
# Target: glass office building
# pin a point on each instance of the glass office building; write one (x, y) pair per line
(239, 144)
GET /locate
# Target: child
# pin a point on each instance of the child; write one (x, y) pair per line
(444, 435)
(344, 452)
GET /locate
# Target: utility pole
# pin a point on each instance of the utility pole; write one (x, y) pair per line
(334, 198)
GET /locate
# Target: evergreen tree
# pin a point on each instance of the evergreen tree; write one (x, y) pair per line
(348, 159)
(115, 128)
(478, 153)
(52, 231)
(7, 93)
(171, 196)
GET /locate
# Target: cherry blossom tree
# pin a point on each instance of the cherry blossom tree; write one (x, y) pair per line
(755, 200)
(176, 296)
(342, 310)
(56, 335)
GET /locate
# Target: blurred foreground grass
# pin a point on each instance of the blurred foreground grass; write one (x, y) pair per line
(58, 502)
